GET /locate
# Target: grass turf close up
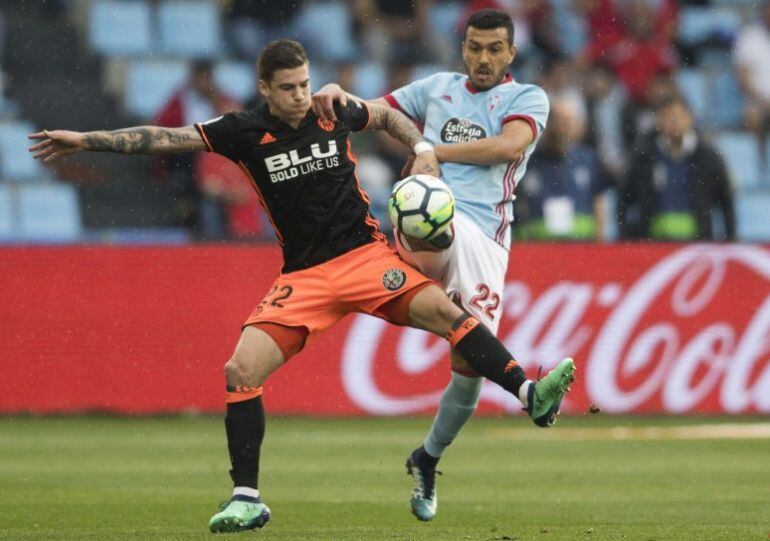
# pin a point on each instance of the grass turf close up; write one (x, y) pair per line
(162, 478)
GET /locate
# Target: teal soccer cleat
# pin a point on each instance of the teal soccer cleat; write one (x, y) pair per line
(239, 514)
(424, 501)
(545, 395)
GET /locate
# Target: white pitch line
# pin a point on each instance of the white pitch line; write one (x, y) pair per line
(730, 431)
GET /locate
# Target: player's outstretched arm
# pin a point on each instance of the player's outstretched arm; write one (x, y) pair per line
(137, 140)
(398, 125)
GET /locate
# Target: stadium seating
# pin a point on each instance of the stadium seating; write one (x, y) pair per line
(766, 177)
(49, 212)
(324, 28)
(728, 99)
(320, 74)
(572, 28)
(445, 19)
(714, 96)
(703, 24)
(370, 80)
(753, 216)
(150, 83)
(120, 28)
(736, 3)
(189, 29)
(425, 70)
(7, 218)
(741, 154)
(694, 86)
(177, 31)
(153, 236)
(16, 163)
(236, 79)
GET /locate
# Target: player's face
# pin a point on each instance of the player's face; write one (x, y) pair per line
(288, 93)
(487, 55)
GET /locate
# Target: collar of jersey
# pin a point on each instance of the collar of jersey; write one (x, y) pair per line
(277, 122)
(473, 90)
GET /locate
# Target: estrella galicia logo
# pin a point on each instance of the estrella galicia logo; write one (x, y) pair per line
(461, 130)
(393, 279)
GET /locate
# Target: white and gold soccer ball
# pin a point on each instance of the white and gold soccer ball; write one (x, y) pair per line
(421, 207)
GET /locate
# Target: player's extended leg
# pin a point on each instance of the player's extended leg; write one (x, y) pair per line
(432, 310)
(256, 356)
(461, 395)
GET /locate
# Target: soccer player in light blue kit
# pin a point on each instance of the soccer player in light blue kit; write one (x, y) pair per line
(484, 126)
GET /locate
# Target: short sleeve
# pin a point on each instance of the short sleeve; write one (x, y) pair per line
(355, 114)
(220, 135)
(412, 99)
(530, 105)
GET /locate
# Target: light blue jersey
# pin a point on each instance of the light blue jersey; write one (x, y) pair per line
(452, 111)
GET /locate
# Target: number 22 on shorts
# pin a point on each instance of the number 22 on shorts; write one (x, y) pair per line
(485, 301)
(277, 295)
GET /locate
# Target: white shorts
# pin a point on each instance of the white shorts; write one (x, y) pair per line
(471, 270)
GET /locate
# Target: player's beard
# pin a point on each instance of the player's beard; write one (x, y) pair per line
(492, 80)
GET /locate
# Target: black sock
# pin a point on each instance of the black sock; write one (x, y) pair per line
(245, 427)
(486, 355)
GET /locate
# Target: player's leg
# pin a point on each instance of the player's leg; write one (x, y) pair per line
(432, 310)
(461, 396)
(474, 276)
(457, 404)
(262, 348)
(377, 282)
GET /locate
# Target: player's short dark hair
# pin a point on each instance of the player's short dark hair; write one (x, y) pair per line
(280, 55)
(489, 19)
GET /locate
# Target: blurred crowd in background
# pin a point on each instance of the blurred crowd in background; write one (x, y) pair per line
(660, 110)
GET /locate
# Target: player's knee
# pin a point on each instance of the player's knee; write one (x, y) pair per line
(231, 372)
(238, 371)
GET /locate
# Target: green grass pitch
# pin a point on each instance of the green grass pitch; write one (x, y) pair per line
(103, 478)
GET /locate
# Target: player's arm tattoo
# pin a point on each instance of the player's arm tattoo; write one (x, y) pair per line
(145, 140)
(395, 123)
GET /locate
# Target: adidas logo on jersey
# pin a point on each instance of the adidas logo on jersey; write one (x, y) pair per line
(267, 138)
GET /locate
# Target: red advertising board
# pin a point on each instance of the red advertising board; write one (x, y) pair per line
(653, 328)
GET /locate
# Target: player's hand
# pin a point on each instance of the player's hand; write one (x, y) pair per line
(323, 101)
(56, 143)
(426, 163)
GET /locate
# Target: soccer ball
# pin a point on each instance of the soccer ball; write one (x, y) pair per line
(421, 206)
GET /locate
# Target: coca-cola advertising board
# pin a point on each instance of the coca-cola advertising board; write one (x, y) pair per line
(652, 328)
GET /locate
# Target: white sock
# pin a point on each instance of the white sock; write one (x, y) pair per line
(246, 491)
(458, 402)
(523, 390)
